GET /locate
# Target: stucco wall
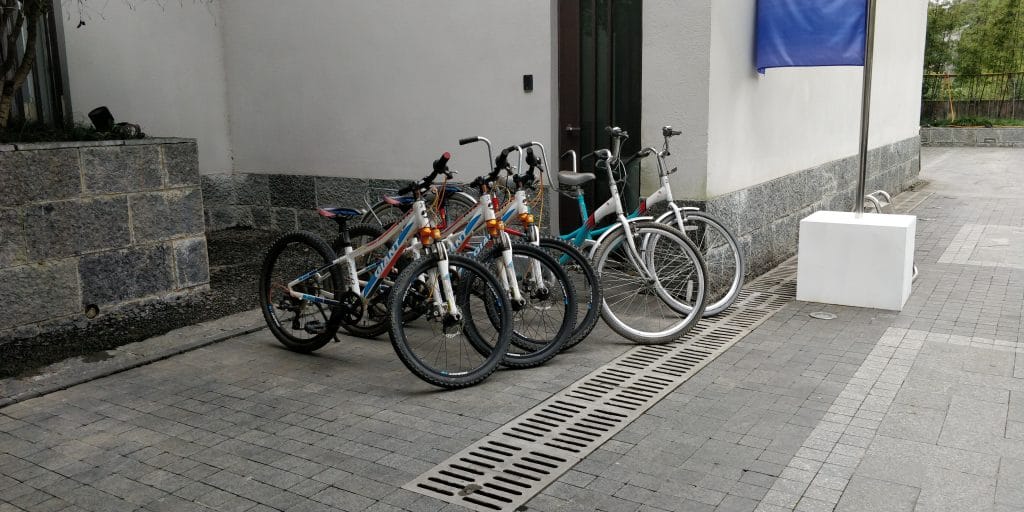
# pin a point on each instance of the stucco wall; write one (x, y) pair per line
(379, 89)
(676, 68)
(764, 127)
(158, 66)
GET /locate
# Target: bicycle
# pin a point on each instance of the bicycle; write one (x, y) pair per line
(543, 297)
(460, 301)
(584, 277)
(718, 246)
(643, 265)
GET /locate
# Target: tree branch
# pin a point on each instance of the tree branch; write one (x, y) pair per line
(29, 57)
(12, 45)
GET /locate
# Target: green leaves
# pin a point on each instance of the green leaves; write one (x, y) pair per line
(975, 36)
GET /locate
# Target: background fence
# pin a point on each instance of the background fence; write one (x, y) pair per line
(993, 95)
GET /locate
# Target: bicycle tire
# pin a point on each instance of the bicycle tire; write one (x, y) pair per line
(722, 254)
(311, 253)
(368, 327)
(532, 345)
(622, 281)
(585, 282)
(489, 346)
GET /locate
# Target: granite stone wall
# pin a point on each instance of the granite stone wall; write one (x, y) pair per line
(281, 202)
(96, 227)
(962, 136)
(766, 217)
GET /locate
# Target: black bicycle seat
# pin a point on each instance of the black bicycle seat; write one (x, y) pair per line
(574, 179)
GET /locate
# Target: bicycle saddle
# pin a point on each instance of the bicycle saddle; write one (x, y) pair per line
(346, 213)
(574, 179)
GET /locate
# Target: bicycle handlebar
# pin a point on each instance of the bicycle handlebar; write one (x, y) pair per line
(616, 132)
(468, 140)
(440, 166)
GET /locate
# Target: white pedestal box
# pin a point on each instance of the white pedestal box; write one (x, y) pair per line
(865, 261)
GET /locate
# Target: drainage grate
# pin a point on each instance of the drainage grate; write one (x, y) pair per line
(518, 460)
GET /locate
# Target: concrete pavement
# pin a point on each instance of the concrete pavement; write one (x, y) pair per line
(919, 410)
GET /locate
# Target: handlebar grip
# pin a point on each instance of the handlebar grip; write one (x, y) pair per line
(675, 132)
(468, 140)
(525, 144)
(509, 149)
(615, 131)
(441, 163)
(531, 159)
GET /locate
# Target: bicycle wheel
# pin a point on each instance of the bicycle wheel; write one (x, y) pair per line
(544, 322)
(722, 255)
(438, 348)
(374, 319)
(300, 325)
(584, 281)
(636, 301)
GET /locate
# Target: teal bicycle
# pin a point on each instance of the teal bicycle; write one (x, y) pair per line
(720, 249)
(653, 277)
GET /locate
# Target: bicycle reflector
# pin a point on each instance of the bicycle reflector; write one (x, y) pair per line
(494, 226)
(428, 235)
(526, 218)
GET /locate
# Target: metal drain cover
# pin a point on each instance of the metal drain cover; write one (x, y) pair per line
(823, 315)
(511, 465)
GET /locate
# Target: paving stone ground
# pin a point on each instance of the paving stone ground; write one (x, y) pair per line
(921, 410)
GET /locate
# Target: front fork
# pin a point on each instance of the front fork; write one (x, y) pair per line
(632, 252)
(445, 295)
(507, 271)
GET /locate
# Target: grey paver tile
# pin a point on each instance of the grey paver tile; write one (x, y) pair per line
(905, 421)
(944, 489)
(871, 495)
(1009, 488)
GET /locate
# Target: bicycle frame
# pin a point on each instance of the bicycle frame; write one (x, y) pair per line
(458, 236)
(403, 234)
(588, 231)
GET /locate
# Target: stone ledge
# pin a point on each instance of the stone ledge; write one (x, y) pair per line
(37, 146)
(972, 136)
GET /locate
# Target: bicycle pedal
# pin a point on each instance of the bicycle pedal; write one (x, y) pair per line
(314, 327)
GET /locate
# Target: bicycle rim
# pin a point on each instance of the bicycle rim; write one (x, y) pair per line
(634, 303)
(722, 255)
(439, 350)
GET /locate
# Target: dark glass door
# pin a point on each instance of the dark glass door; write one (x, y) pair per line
(599, 58)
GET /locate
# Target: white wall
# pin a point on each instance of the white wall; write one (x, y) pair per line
(159, 67)
(379, 89)
(676, 69)
(794, 118)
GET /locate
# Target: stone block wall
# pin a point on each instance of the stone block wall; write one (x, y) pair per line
(962, 136)
(766, 217)
(281, 202)
(96, 226)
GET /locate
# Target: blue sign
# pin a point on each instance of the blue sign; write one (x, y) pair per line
(810, 33)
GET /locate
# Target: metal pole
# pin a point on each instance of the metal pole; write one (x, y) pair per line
(865, 107)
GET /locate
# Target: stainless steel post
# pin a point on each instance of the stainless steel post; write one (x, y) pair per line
(865, 107)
